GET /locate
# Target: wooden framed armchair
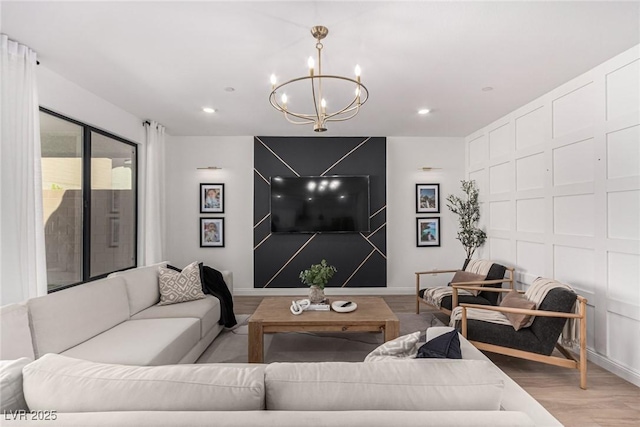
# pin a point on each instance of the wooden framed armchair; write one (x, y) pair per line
(488, 275)
(537, 341)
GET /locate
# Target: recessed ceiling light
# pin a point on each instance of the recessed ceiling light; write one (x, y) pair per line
(208, 110)
(423, 111)
(487, 89)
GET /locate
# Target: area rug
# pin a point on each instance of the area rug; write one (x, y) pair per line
(231, 345)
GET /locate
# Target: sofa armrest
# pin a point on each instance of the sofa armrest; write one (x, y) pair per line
(228, 279)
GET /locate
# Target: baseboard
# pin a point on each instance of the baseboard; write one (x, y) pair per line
(274, 292)
(613, 367)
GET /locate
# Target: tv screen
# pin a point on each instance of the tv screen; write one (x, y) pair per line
(320, 204)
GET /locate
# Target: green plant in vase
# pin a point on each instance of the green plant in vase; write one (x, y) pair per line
(468, 211)
(317, 277)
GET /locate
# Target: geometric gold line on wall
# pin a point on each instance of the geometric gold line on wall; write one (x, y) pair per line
(358, 269)
(344, 157)
(290, 259)
(277, 157)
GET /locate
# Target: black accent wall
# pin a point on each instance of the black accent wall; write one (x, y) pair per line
(360, 258)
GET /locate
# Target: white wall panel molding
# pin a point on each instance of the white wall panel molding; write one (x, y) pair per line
(574, 163)
(501, 178)
(624, 309)
(501, 141)
(623, 209)
(574, 110)
(575, 203)
(530, 172)
(623, 152)
(532, 127)
(623, 90)
(478, 151)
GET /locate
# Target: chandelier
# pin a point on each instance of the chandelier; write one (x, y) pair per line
(319, 114)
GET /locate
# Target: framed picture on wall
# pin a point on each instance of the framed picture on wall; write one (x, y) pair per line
(427, 198)
(211, 232)
(211, 198)
(428, 231)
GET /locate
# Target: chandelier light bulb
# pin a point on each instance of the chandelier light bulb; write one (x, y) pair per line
(311, 63)
(358, 71)
(273, 79)
(323, 103)
(284, 98)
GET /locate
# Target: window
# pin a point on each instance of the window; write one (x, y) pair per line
(89, 189)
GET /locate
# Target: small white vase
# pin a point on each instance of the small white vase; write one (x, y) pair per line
(316, 294)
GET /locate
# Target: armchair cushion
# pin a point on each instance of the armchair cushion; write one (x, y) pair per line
(540, 337)
(465, 276)
(516, 300)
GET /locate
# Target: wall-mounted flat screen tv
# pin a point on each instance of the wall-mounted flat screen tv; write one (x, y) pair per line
(320, 204)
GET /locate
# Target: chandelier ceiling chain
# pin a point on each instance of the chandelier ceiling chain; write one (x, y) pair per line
(319, 117)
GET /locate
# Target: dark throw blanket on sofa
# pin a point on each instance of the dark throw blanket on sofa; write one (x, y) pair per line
(213, 284)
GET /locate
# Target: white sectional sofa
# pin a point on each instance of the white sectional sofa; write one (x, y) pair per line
(416, 393)
(106, 355)
(115, 320)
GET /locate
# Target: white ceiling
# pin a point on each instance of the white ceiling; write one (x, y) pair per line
(166, 60)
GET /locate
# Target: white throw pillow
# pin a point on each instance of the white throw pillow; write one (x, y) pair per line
(404, 347)
(11, 394)
(182, 286)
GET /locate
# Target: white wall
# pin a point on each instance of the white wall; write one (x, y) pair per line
(235, 156)
(67, 98)
(560, 185)
(405, 157)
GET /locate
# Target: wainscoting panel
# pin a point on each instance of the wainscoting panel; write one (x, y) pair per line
(575, 204)
(360, 258)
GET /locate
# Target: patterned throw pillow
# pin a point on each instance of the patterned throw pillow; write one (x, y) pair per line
(404, 347)
(182, 286)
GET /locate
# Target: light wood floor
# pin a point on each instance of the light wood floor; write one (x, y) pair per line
(608, 401)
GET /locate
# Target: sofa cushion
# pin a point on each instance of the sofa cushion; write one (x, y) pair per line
(11, 394)
(72, 385)
(14, 330)
(69, 317)
(142, 286)
(180, 286)
(436, 385)
(207, 310)
(148, 342)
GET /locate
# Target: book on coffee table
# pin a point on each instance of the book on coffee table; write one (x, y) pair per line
(320, 306)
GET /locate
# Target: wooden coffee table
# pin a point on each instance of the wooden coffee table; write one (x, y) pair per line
(273, 316)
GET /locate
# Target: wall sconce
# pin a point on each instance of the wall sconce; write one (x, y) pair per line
(210, 168)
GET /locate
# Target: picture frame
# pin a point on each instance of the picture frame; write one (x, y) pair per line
(211, 232)
(428, 231)
(211, 198)
(427, 198)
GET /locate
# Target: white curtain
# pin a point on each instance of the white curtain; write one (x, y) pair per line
(152, 212)
(23, 271)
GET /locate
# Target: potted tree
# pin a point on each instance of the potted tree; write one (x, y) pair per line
(468, 211)
(317, 277)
